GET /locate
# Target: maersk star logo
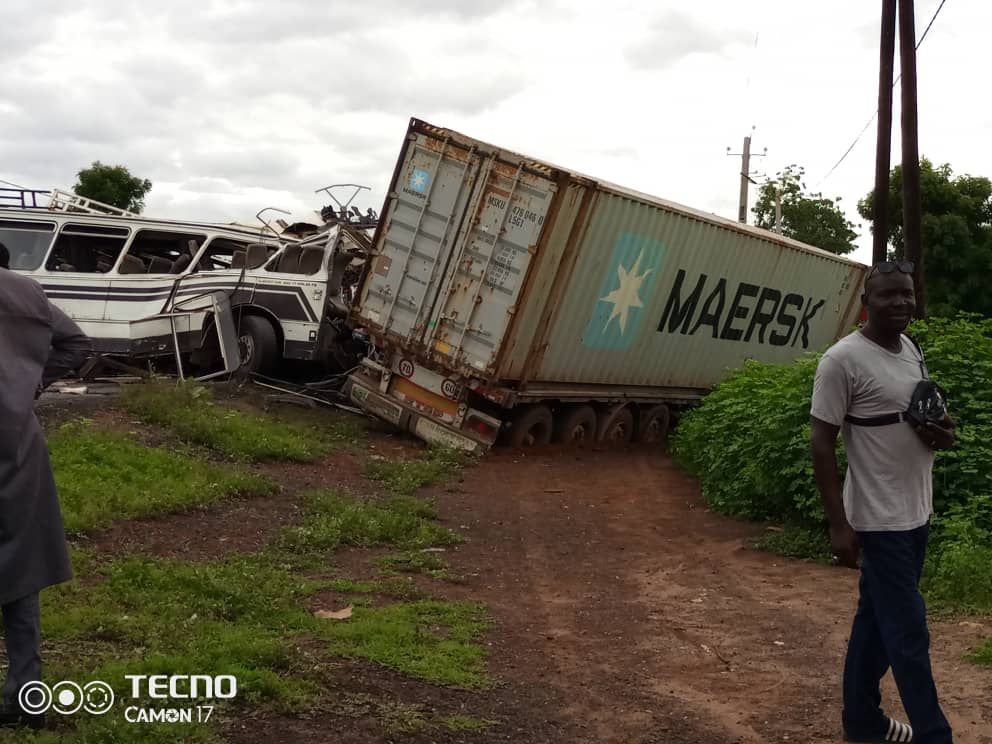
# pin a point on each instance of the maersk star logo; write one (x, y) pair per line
(626, 296)
(419, 180)
(625, 293)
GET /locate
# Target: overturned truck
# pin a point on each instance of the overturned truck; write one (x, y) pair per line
(509, 297)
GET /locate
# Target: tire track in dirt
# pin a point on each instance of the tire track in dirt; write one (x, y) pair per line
(652, 618)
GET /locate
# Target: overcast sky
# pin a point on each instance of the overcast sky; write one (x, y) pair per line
(230, 106)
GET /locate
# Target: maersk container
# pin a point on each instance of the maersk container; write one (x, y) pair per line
(507, 293)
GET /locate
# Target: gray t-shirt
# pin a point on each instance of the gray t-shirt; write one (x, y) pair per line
(889, 475)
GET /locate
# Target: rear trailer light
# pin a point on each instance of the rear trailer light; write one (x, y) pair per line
(481, 424)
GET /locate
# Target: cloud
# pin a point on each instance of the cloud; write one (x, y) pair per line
(676, 35)
(254, 22)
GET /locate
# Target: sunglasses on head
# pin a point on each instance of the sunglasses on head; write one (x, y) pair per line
(887, 267)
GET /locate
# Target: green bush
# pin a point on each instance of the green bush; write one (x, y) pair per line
(748, 443)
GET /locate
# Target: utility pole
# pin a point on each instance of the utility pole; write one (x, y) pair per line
(745, 157)
(911, 203)
(778, 209)
(883, 153)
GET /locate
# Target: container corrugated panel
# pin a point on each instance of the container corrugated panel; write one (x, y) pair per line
(659, 297)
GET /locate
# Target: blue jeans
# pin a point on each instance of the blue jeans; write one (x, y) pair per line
(890, 630)
(22, 631)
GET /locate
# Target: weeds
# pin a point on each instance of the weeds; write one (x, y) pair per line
(436, 641)
(415, 561)
(405, 477)
(465, 723)
(794, 541)
(105, 476)
(191, 413)
(336, 520)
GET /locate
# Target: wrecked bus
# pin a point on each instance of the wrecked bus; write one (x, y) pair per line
(136, 285)
(505, 296)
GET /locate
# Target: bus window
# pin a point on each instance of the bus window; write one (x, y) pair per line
(91, 249)
(165, 252)
(27, 242)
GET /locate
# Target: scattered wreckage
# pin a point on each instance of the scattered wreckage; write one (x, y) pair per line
(217, 295)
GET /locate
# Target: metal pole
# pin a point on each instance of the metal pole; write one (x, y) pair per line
(745, 172)
(778, 209)
(911, 202)
(883, 155)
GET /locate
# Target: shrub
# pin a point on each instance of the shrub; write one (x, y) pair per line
(748, 443)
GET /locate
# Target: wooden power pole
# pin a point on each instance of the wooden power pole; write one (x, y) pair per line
(745, 157)
(911, 200)
(883, 153)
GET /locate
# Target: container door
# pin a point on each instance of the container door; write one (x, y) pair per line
(434, 186)
(485, 277)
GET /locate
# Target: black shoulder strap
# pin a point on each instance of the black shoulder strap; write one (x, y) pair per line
(891, 418)
(923, 359)
(884, 420)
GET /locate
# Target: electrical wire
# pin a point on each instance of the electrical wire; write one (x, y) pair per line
(875, 115)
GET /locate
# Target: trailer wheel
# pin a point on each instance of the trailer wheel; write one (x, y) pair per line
(531, 427)
(258, 344)
(618, 428)
(654, 425)
(576, 425)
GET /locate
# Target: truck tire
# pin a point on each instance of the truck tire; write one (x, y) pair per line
(654, 424)
(618, 427)
(258, 344)
(531, 427)
(576, 425)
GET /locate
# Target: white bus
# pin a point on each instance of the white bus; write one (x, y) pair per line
(120, 275)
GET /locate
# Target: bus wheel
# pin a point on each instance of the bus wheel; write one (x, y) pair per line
(531, 427)
(258, 344)
(576, 426)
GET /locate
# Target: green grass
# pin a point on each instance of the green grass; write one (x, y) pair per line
(984, 654)
(336, 520)
(240, 616)
(794, 541)
(105, 476)
(465, 723)
(436, 641)
(957, 575)
(190, 412)
(244, 616)
(398, 718)
(415, 561)
(405, 477)
(395, 587)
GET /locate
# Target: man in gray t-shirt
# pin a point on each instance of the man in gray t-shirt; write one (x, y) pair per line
(884, 509)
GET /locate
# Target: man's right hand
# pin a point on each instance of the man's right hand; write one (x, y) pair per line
(846, 545)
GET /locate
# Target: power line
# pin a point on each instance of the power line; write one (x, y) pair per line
(872, 119)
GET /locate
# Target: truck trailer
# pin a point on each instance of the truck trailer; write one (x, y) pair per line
(505, 297)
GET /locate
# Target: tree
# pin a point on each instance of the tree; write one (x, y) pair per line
(114, 185)
(957, 236)
(810, 218)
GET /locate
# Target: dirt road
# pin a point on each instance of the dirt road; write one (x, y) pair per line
(633, 614)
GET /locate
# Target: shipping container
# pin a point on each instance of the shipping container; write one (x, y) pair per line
(507, 294)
